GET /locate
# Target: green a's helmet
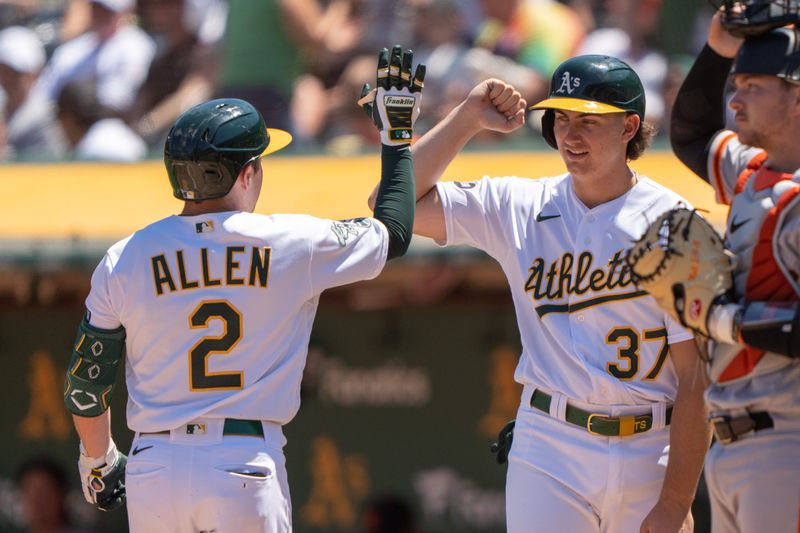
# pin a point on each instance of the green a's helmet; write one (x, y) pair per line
(591, 84)
(210, 143)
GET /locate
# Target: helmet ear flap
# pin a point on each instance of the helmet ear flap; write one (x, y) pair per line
(548, 123)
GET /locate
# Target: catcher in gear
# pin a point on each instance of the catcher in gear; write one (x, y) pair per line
(609, 379)
(211, 311)
(752, 469)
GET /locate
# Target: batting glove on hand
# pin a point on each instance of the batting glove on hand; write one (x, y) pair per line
(394, 104)
(502, 447)
(103, 478)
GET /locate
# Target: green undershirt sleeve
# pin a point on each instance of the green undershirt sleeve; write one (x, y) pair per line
(396, 199)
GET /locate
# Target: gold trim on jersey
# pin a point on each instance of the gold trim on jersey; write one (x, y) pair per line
(161, 274)
(570, 275)
(260, 267)
(631, 352)
(185, 284)
(231, 265)
(210, 345)
(232, 272)
(663, 352)
(208, 281)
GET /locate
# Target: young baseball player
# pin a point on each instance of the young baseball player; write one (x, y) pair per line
(612, 385)
(753, 467)
(213, 309)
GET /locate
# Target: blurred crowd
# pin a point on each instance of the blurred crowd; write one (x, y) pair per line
(104, 79)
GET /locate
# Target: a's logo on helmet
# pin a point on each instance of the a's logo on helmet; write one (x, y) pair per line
(568, 83)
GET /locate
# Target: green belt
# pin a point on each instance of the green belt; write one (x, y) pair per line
(235, 426)
(232, 426)
(599, 424)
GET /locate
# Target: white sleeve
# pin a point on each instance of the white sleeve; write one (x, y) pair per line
(675, 331)
(102, 313)
(473, 213)
(727, 158)
(346, 251)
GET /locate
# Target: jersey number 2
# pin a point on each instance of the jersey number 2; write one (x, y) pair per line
(199, 376)
(630, 337)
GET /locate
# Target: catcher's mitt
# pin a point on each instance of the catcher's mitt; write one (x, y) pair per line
(681, 261)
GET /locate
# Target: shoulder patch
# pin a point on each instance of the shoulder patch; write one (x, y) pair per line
(466, 184)
(344, 229)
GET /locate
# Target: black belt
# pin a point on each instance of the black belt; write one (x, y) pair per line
(728, 429)
(232, 426)
(599, 424)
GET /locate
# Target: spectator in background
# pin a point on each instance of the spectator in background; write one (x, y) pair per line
(42, 486)
(539, 34)
(114, 52)
(95, 131)
(269, 44)
(439, 35)
(630, 36)
(183, 72)
(454, 67)
(30, 121)
(388, 514)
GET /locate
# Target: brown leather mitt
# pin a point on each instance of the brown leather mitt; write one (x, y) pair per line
(682, 262)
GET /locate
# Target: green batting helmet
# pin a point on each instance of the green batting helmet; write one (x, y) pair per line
(591, 84)
(210, 143)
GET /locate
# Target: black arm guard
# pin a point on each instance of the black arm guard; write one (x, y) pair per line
(771, 326)
(396, 199)
(92, 369)
(699, 112)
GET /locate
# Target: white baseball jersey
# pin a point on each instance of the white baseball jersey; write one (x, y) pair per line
(586, 330)
(218, 309)
(763, 231)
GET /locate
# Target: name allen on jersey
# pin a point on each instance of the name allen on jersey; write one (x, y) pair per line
(170, 273)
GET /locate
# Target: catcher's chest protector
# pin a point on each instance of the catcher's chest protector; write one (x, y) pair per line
(761, 197)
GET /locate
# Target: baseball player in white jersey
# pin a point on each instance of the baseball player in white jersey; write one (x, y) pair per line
(214, 309)
(612, 386)
(752, 470)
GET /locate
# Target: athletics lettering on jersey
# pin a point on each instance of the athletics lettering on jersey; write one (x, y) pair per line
(567, 275)
(231, 273)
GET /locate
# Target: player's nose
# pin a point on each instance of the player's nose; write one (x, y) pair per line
(736, 102)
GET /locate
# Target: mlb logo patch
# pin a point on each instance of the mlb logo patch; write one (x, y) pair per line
(205, 226)
(195, 429)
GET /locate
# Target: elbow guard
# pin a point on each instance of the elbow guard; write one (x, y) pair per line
(772, 326)
(92, 369)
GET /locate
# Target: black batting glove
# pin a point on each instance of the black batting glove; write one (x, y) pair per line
(502, 447)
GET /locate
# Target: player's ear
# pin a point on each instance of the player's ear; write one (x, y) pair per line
(249, 172)
(631, 125)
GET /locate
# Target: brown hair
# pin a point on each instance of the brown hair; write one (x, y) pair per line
(640, 141)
